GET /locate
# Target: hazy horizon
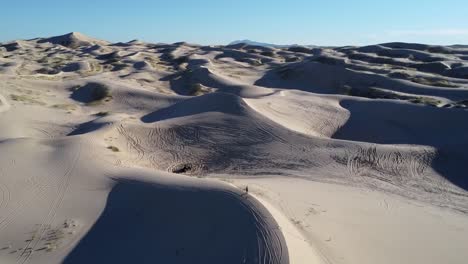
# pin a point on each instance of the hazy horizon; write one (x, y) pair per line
(213, 22)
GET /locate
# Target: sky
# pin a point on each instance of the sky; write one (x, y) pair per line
(314, 22)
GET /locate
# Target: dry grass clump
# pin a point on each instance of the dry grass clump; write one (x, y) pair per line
(198, 89)
(113, 148)
(423, 80)
(268, 53)
(102, 113)
(376, 93)
(433, 82)
(426, 101)
(26, 99)
(68, 107)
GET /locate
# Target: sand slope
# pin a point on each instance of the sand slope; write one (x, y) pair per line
(140, 153)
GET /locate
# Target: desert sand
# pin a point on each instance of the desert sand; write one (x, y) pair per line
(141, 153)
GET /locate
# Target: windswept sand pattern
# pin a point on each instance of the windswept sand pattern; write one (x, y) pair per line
(117, 152)
(62, 189)
(6, 194)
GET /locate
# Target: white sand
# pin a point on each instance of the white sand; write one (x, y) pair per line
(354, 225)
(299, 250)
(351, 155)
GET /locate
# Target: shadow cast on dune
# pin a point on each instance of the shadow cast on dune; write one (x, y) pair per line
(400, 123)
(147, 223)
(87, 127)
(452, 164)
(214, 102)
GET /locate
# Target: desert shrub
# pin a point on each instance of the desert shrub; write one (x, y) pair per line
(91, 93)
(113, 148)
(292, 59)
(268, 53)
(102, 113)
(423, 80)
(26, 99)
(69, 107)
(48, 71)
(433, 82)
(425, 101)
(182, 168)
(399, 75)
(196, 89)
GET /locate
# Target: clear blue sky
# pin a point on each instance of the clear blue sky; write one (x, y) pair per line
(321, 22)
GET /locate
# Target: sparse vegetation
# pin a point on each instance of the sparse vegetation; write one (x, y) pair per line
(68, 107)
(426, 101)
(423, 80)
(94, 68)
(376, 93)
(91, 93)
(197, 89)
(48, 71)
(152, 61)
(102, 113)
(182, 168)
(113, 148)
(268, 53)
(433, 82)
(26, 99)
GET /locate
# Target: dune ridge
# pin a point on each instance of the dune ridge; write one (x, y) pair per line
(143, 152)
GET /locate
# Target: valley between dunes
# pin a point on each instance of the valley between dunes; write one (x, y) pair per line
(142, 153)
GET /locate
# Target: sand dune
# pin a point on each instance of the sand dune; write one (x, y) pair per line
(138, 153)
(73, 40)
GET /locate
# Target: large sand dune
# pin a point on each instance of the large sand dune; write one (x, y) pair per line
(140, 153)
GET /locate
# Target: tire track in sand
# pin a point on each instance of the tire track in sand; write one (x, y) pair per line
(6, 194)
(63, 187)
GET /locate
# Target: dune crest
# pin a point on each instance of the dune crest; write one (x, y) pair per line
(246, 153)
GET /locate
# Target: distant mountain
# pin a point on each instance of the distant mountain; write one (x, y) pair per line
(262, 44)
(458, 46)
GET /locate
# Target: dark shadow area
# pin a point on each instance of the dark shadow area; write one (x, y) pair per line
(72, 67)
(213, 102)
(396, 123)
(452, 164)
(91, 92)
(87, 127)
(11, 46)
(389, 122)
(144, 223)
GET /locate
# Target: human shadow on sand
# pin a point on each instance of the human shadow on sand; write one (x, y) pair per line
(147, 223)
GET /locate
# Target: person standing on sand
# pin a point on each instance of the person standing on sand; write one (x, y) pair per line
(247, 189)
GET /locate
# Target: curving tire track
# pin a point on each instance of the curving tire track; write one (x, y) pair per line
(50, 217)
(6, 194)
(271, 243)
(132, 142)
(36, 189)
